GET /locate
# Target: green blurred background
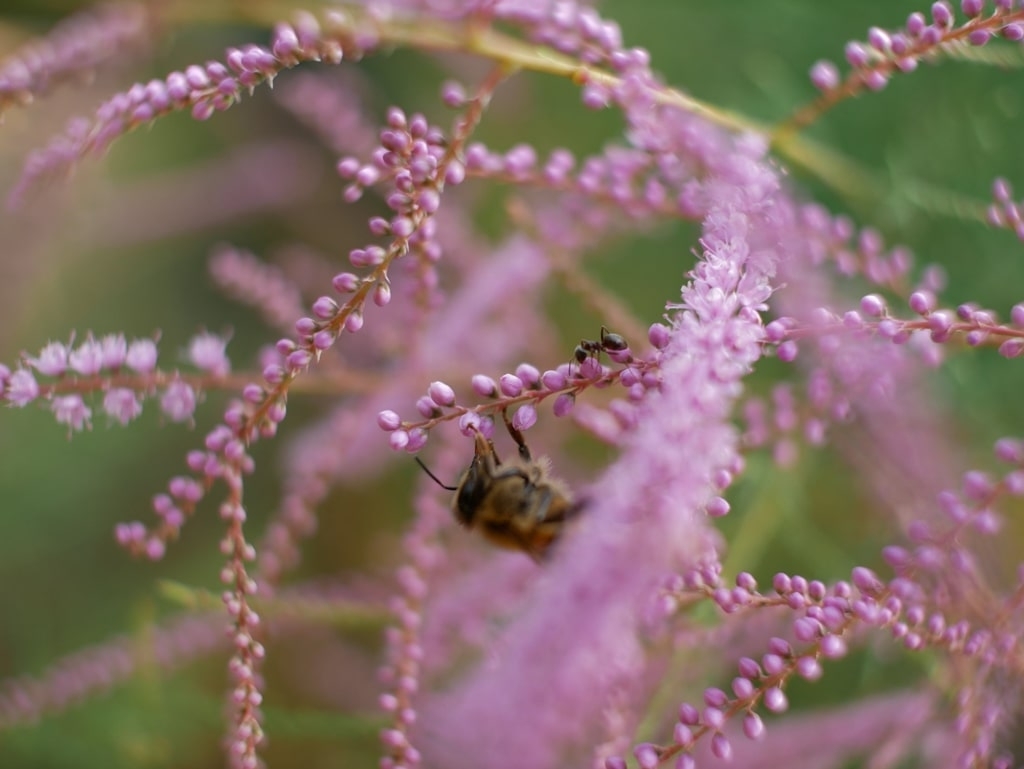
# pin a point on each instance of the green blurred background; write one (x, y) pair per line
(113, 259)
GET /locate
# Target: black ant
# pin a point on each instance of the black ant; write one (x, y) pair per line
(609, 343)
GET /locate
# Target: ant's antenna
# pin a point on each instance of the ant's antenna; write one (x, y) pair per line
(434, 477)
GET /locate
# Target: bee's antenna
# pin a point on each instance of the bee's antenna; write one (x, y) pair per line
(434, 477)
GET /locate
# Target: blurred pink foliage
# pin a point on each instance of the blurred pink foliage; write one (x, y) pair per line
(593, 654)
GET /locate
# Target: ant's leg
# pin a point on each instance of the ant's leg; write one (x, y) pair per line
(524, 452)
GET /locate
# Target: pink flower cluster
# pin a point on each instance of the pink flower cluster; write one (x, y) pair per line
(521, 391)
(886, 53)
(124, 373)
(642, 636)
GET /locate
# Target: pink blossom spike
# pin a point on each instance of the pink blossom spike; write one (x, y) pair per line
(597, 581)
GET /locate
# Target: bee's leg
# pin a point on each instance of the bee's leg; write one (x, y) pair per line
(484, 451)
(544, 497)
(524, 452)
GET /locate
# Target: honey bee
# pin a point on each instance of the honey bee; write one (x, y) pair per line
(515, 504)
(609, 343)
